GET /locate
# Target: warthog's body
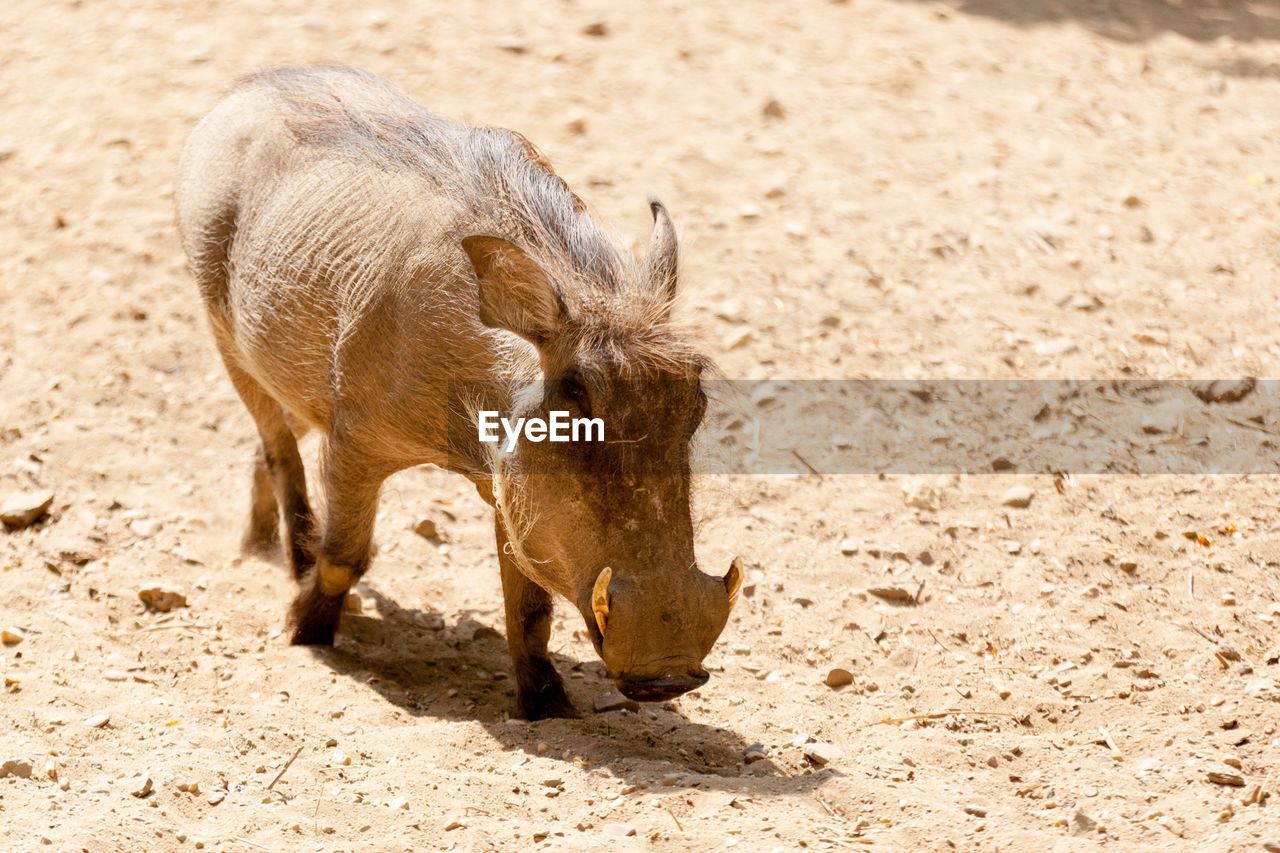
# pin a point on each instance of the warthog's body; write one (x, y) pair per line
(361, 260)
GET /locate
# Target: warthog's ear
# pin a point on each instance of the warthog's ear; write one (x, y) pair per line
(663, 255)
(515, 292)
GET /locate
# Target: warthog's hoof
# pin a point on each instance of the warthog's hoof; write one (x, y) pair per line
(550, 702)
(313, 618)
(312, 635)
(262, 542)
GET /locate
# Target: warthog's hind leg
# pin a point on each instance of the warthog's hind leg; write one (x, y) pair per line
(262, 533)
(539, 690)
(279, 480)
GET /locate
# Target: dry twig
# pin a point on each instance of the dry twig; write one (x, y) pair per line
(938, 715)
(287, 765)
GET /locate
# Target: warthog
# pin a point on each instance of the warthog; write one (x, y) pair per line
(362, 260)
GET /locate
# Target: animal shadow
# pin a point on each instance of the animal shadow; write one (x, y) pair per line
(428, 667)
(1141, 20)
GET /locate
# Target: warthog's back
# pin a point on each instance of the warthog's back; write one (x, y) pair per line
(322, 210)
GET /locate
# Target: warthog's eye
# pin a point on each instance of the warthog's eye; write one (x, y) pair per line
(574, 392)
(699, 407)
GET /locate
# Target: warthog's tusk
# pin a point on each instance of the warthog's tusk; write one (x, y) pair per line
(733, 581)
(600, 597)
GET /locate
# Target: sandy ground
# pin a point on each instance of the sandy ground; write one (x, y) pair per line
(989, 188)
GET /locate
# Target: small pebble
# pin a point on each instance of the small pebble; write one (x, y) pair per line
(141, 786)
(17, 767)
(144, 528)
(428, 529)
(1018, 497)
(1082, 824)
(25, 508)
(1226, 777)
(839, 678)
(618, 830)
(821, 754)
(160, 600)
(614, 702)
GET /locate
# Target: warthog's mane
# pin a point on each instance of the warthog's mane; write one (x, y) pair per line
(500, 180)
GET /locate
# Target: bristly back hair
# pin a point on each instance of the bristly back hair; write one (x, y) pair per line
(499, 177)
(489, 170)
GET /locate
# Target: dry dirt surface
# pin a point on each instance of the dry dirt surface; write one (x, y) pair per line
(873, 188)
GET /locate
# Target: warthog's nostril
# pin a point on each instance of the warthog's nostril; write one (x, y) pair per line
(663, 687)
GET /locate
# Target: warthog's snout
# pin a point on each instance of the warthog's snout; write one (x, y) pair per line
(662, 687)
(653, 631)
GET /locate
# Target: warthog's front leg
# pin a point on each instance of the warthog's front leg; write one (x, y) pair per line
(351, 487)
(539, 690)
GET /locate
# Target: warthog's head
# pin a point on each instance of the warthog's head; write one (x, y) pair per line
(606, 523)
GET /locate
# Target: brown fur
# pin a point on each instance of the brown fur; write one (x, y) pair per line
(364, 263)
